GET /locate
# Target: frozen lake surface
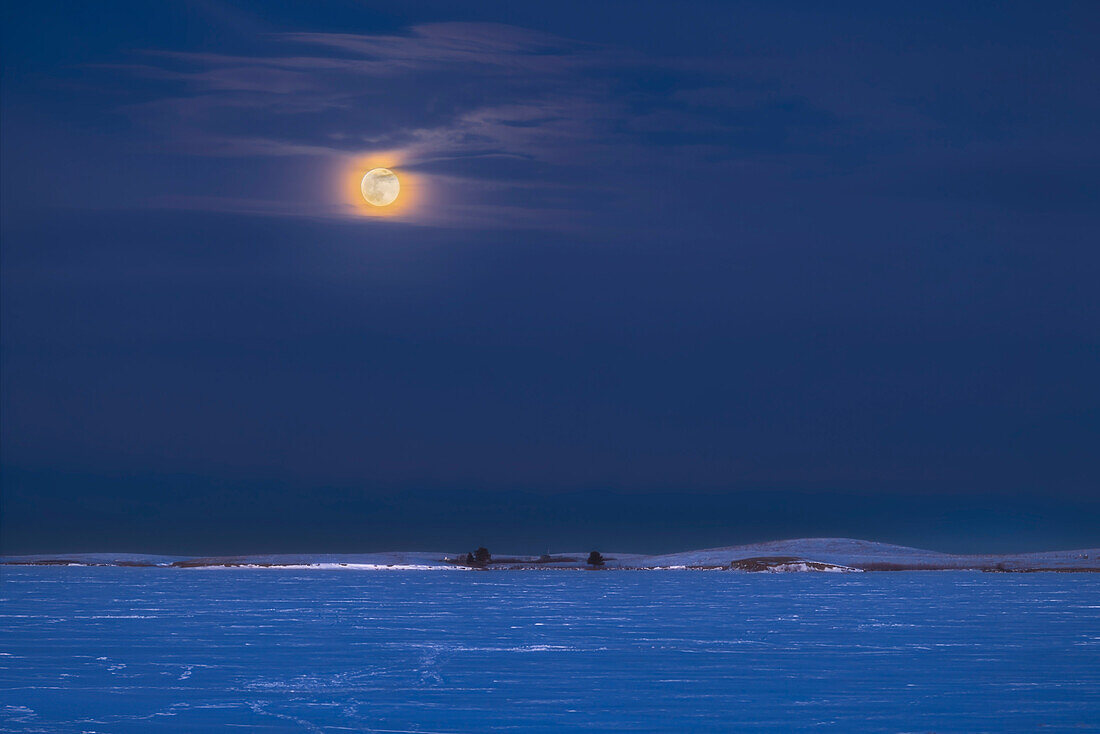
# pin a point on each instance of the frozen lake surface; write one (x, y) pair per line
(280, 650)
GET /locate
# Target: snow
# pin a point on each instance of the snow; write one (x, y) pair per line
(806, 567)
(131, 650)
(335, 567)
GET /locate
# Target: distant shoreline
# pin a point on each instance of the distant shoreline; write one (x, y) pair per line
(820, 555)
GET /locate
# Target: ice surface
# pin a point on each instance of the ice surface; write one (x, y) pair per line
(127, 650)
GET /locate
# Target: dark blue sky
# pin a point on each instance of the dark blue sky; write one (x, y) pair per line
(675, 275)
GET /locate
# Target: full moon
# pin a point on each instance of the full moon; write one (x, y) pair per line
(380, 187)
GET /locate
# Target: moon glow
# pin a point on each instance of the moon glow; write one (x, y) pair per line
(380, 187)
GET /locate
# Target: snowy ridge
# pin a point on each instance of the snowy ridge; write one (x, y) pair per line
(803, 554)
(871, 555)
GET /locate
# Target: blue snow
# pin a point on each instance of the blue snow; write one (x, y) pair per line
(279, 650)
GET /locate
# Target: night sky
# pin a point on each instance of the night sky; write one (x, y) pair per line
(667, 275)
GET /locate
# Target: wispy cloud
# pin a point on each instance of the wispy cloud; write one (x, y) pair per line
(471, 106)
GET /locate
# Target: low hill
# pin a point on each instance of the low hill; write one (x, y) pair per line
(810, 554)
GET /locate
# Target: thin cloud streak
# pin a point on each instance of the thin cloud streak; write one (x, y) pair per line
(570, 121)
(486, 92)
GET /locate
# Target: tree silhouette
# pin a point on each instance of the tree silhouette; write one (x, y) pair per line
(595, 559)
(482, 556)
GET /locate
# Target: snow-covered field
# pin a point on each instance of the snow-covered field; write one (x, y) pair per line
(107, 650)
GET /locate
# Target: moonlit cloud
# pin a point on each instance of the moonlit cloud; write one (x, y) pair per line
(495, 106)
(479, 111)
